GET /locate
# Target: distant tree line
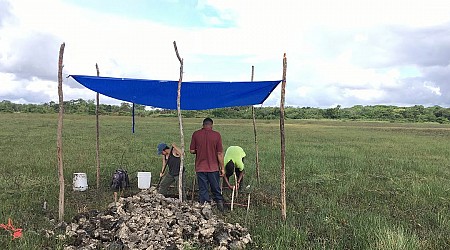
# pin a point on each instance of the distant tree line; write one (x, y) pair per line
(417, 113)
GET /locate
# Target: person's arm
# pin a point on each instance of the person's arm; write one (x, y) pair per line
(240, 164)
(219, 150)
(240, 178)
(227, 182)
(176, 149)
(192, 147)
(163, 166)
(221, 165)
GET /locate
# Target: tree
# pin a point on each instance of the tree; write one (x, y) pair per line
(6, 106)
(125, 108)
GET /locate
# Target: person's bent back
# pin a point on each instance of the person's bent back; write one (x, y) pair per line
(234, 160)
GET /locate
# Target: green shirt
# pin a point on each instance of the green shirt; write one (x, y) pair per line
(235, 154)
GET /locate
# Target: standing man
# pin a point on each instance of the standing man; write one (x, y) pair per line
(206, 144)
(234, 163)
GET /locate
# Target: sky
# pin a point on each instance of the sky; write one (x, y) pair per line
(346, 52)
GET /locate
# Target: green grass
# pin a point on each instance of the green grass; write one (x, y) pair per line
(350, 185)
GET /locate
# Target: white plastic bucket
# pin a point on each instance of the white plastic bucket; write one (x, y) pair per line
(80, 182)
(144, 180)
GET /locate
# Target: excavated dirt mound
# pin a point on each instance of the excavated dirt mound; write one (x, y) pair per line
(148, 220)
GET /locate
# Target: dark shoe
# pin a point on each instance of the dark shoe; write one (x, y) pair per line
(220, 206)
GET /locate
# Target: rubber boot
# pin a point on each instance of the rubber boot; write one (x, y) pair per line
(220, 205)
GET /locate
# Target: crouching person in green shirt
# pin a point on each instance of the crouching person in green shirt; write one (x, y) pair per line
(170, 159)
(234, 162)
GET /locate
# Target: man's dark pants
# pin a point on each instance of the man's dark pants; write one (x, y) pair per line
(213, 179)
(167, 180)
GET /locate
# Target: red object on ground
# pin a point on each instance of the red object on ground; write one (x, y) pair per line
(16, 232)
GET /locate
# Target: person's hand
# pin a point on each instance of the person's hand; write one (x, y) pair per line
(222, 172)
(161, 174)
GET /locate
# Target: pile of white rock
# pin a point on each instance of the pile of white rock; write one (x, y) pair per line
(148, 220)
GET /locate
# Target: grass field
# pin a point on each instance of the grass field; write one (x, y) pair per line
(350, 185)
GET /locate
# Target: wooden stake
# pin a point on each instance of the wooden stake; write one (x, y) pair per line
(248, 202)
(115, 197)
(193, 187)
(180, 176)
(235, 204)
(59, 146)
(236, 184)
(283, 146)
(221, 185)
(232, 198)
(97, 142)
(254, 132)
(248, 208)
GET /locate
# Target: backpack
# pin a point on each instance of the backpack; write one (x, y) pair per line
(120, 179)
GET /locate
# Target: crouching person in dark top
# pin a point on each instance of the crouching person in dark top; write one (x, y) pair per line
(171, 159)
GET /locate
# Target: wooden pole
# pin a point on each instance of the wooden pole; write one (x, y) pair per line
(193, 187)
(132, 118)
(232, 198)
(283, 146)
(254, 132)
(248, 208)
(97, 141)
(248, 203)
(236, 184)
(221, 185)
(59, 146)
(180, 176)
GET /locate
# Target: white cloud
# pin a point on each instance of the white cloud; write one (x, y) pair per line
(7, 86)
(364, 94)
(433, 88)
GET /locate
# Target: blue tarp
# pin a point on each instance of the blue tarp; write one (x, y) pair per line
(194, 95)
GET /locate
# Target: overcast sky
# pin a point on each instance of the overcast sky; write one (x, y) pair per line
(346, 52)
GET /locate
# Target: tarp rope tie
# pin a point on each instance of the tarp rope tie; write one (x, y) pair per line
(16, 232)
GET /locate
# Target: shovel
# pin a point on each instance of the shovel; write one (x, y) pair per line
(159, 182)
